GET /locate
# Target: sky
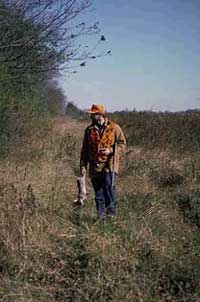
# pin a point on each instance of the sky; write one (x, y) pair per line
(155, 61)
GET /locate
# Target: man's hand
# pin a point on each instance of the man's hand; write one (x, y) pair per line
(82, 171)
(105, 151)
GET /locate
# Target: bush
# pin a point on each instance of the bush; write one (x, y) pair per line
(73, 111)
(167, 177)
(189, 205)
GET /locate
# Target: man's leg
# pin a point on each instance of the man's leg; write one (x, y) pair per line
(109, 190)
(98, 185)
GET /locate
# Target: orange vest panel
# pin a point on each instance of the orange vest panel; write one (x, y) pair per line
(97, 141)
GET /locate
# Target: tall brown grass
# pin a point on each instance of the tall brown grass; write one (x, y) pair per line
(52, 251)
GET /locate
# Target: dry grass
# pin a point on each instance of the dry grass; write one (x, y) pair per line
(50, 251)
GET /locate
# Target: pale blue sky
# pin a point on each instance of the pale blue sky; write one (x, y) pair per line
(155, 62)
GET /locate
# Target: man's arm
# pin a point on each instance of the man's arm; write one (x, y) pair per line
(120, 140)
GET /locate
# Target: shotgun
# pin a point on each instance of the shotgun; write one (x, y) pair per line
(114, 164)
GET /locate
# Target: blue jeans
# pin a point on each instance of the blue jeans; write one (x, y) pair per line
(104, 194)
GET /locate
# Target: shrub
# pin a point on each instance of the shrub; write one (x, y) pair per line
(73, 111)
(189, 205)
(167, 177)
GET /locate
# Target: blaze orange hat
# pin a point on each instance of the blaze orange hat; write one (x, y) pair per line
(98, 108)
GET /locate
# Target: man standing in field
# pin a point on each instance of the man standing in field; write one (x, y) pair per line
(103, 144)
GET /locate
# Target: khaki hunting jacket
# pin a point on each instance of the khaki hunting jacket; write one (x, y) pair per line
(110, 136)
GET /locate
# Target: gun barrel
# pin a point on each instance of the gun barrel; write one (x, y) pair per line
(114, 164)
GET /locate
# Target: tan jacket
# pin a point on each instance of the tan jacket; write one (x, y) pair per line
(94, 138)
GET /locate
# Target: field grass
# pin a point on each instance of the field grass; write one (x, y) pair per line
(52, 251)
(178, 131)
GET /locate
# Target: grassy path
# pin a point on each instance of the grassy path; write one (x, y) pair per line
(50, 251)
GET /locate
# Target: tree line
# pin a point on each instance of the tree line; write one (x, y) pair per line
(38, 38)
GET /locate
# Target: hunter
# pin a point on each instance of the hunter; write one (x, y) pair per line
(102, 147)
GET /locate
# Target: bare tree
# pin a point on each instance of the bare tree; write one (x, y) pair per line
(43, 35)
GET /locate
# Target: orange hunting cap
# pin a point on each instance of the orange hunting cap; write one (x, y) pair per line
(98, 108)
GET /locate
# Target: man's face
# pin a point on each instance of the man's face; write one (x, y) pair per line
(96, 118)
